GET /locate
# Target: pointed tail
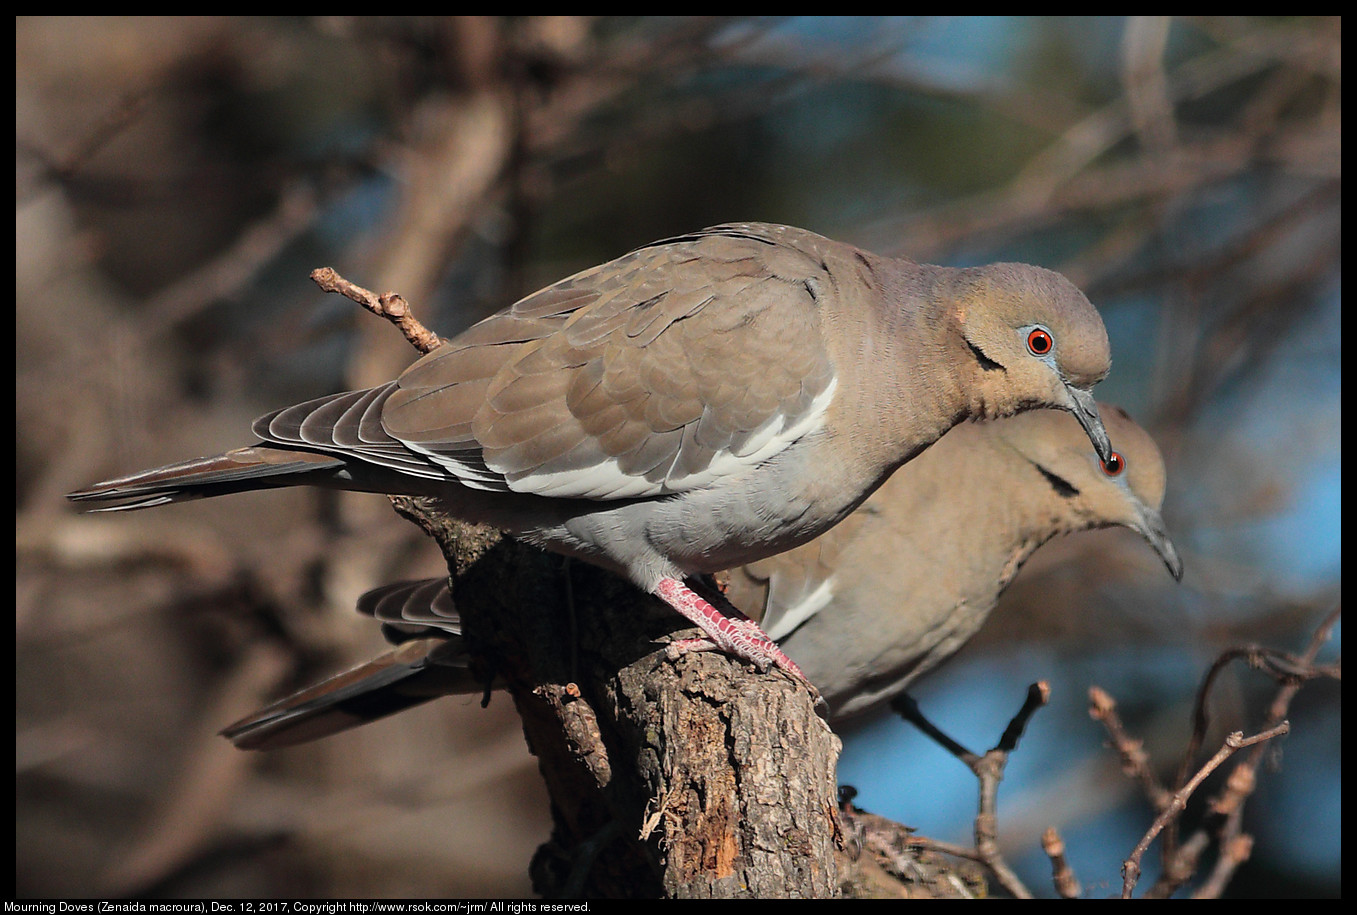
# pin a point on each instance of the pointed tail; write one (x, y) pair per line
(410, 675)
(241, 470)
(430, 661)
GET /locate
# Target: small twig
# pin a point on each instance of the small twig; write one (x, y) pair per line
(654, 819)
(1179, 868)
(947, 848)
(1135, 762)
(1130, 869)
(1286, 668)
(1038, 694)
(1201, 719)
(989, 769)
(1223, 821)
(390, 306)
(907, 708)
(1062, 875)
(1229, 803)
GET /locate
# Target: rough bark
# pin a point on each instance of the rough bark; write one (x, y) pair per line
(694, 778)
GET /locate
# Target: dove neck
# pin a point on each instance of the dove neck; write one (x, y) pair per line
(909, 379)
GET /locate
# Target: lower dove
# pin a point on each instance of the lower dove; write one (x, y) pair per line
(864, 609)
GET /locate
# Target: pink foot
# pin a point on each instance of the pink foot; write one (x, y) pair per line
(741, 637)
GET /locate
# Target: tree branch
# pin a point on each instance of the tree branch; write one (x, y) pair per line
(698, 778)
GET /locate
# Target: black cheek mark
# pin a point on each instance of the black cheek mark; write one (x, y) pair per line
(1062, 486)
(986, 362)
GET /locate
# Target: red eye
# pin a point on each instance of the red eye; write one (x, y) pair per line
(1039, 342)
(1114, 465)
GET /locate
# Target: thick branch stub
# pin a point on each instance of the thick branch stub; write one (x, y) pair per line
(695, 778)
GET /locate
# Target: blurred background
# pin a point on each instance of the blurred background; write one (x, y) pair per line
(177, 179)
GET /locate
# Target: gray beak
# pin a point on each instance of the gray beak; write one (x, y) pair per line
(1086, 411)
(1151, 527)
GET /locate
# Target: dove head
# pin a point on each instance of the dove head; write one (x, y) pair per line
(1126, 490)
(1033, 340)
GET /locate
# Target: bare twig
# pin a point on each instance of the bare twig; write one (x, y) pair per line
(947, 848)
(1130, 869)
(1038, 694)
(390, 306)
(1232, 854)
(1062, 875)
(1286, 668)
(1225, 810)
(1135, 762)
(907, 708)
(1235, 845)
(989, 769)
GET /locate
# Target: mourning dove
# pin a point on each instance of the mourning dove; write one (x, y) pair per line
(697, 404)
(865, 609)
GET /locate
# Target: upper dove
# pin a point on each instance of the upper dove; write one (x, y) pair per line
(697, 404)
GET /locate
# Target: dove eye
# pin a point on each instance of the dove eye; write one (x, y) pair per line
(1114, 465)
(1039, 342)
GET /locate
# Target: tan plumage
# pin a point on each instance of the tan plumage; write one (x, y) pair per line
(866, 608)
(696, 404)
(907, 579)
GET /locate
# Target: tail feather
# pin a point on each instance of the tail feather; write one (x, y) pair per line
(409, 609)
(410, 675)
(430, 661)
(241, 470)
